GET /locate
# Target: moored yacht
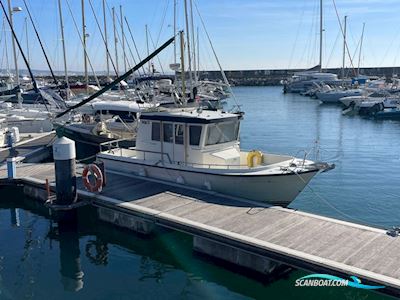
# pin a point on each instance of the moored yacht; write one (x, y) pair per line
(301, 82)
(201, 149)
(333, 96)
(104, 121)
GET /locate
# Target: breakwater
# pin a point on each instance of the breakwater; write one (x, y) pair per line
(274, 77)
(252, 77)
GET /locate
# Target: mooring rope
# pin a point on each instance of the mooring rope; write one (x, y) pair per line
(335, 208)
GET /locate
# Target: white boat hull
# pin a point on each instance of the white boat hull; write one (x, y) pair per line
(31, 125)
(277, 189)
(334, 97)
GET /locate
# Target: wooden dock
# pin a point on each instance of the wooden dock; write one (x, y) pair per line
(303, 240)
(32, 149)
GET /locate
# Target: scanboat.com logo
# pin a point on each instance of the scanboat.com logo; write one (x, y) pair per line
(332, 281)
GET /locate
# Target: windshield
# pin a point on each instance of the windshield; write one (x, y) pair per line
(222, 133)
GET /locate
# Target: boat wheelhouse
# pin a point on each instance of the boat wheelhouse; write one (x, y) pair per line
(200, 148)
(190, 137)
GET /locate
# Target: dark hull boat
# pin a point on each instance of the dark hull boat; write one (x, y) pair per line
(388, 113)
(10, 92)
(88, 140)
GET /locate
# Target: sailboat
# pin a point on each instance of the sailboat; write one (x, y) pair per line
(301, 82)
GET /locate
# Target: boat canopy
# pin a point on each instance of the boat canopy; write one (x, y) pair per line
(129, 106)
(194, 116)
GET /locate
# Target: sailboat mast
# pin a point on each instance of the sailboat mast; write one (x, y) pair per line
(359, 54)
(147, 45)
(175, 31)
(84, 43)
(321, 29)
(123, 37)
(193, 41)
(35, 87)
(198, 53)
(63, 45)
(115, 41)
(175, 39)
(182, 40)
(41, 44)
(10, 13)
(188, 49)
(27, 40)
(105, 37)
(3, 29)
(344, 46)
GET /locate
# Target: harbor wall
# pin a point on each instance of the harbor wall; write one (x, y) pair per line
(274, 77)
(260, 77)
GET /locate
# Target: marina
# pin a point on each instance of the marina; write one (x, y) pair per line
(196, 210)
(132, 165)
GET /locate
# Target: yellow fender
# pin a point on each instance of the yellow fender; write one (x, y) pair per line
(250, 158)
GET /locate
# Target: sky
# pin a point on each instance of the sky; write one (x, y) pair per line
(246, 34)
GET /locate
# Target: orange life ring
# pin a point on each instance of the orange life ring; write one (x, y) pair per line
(95, 170)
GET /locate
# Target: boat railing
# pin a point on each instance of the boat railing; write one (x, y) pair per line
(162, 155)
(113, 146)
(110, 145)
(214, 166)
(129, 128)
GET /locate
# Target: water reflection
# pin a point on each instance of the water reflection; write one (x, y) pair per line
(66, 232)
(71, 271)
(15, 217)
(118, 264)
(97, 251)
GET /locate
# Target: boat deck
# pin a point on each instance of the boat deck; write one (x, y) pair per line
(303, 240)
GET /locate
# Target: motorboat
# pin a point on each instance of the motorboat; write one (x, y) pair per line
(201, 149)
(333, 96)
(368, 106)
(301, 82)
(388, 113)
(104, 121)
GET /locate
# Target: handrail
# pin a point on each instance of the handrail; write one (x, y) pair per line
(116, 143)
(111, 143)
(155, 152)
(125, 125)
(209, 166)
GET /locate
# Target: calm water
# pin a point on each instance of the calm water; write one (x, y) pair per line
(40, 260)
(364, 187)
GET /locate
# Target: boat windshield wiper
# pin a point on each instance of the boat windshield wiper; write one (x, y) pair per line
(119, 79)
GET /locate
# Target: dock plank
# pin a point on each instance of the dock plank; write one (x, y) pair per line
(28, 146)
(163, 202)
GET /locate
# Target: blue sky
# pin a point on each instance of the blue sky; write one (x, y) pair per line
(247, 34)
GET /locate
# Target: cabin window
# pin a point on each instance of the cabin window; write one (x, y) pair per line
(195, 134)
(222, 133)
(179, 132)
(155, 131)
(168, 133)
